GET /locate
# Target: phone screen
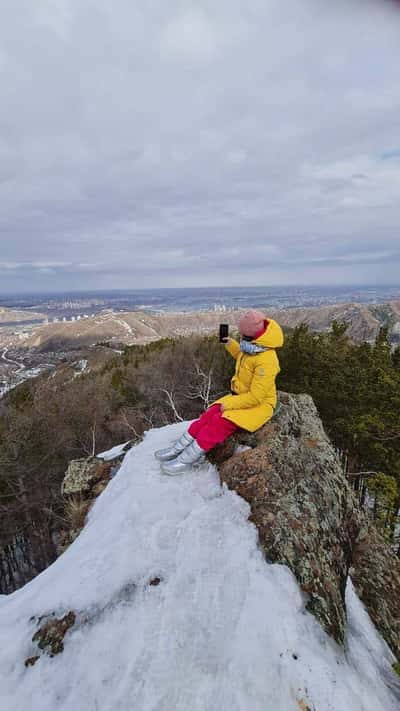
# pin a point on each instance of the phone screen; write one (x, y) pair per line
(223, 331)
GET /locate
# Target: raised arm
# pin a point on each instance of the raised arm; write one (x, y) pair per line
(232, 347)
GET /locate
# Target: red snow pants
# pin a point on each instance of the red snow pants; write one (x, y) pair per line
(211, 428)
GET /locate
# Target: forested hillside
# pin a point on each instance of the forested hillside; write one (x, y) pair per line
(357, 391)
(44, 424)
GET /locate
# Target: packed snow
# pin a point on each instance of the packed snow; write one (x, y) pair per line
(223, 630)
(114, 452)
(80, 367)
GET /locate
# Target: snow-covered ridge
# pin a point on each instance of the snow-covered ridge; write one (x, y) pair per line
(222, 631)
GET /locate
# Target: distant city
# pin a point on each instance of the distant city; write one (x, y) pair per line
(82, 305)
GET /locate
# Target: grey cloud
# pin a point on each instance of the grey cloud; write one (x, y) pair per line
(181, 144)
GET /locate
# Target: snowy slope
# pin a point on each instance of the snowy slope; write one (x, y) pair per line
(223, 631)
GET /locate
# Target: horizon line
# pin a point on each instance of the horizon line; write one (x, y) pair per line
(198, 288)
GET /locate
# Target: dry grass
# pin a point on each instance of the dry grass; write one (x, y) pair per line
(76, 510)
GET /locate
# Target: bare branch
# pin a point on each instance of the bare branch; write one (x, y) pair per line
(171, 403)
(129, 425)
(353, 475)
(201, 389)
(94, 438)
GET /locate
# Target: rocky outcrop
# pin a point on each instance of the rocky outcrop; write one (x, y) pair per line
(85, 475)
(84, 481)
(308, 518)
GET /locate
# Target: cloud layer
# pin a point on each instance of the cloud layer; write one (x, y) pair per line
(195, 144)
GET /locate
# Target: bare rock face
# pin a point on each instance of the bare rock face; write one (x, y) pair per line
(302, 505)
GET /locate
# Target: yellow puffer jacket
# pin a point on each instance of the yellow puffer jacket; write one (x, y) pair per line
(254, 400)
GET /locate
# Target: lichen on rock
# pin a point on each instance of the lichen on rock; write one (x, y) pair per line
(83, 475)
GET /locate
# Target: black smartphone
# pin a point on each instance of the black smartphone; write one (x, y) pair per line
(223, 332)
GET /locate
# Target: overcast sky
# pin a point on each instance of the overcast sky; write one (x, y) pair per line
(220, 142)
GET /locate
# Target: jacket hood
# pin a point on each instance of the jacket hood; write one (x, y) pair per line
(272, 337)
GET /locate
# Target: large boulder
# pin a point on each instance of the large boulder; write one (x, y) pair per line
(306, 513)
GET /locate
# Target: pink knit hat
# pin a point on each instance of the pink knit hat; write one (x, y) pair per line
(251, 323)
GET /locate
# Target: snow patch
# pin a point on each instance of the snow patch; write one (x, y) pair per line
(222, 630)
(79, 367)
(241, 448)
(114, 452)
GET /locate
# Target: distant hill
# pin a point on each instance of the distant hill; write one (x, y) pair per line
(18, 316)
(139, 327)
(364, 320)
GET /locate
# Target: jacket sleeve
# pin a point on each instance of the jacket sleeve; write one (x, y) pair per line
(261, 385)
(233, 348)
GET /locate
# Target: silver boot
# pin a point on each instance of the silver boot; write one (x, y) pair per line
(193, 454)
(163, 455)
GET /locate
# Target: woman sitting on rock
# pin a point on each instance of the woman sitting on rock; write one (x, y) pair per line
(251, 402)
